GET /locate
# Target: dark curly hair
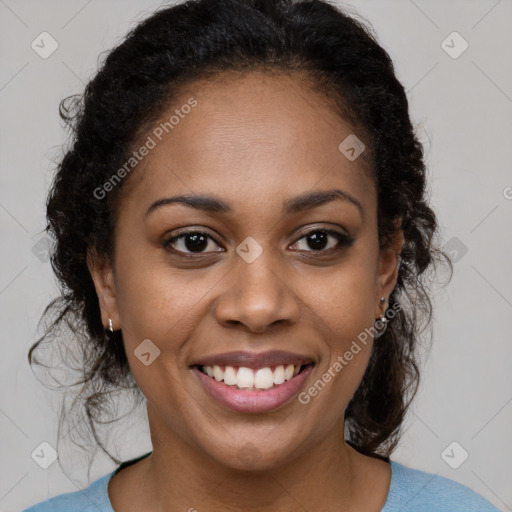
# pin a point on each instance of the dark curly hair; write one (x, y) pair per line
(139, 79)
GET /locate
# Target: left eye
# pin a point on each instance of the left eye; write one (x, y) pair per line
(317, 240)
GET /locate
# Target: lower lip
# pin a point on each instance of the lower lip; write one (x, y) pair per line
(253, 401)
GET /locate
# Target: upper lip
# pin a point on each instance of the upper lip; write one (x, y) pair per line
(253, 359)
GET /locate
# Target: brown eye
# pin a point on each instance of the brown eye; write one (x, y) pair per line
(190, 242)
(318, 240)
(198, 242)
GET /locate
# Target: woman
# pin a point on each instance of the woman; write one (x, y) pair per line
(242, 237)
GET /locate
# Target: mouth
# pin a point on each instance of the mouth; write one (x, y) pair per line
(253, 379)
(251, 382)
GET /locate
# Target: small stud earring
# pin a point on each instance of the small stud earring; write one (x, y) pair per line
(110, 325)
(383, 318)
(379, 331)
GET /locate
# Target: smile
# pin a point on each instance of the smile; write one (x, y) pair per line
(253, 390)
(253, 379)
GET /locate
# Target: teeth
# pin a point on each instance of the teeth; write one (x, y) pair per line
(247, 378)
(230, 376)
(264, 378)
(279, 375)
(218, 373)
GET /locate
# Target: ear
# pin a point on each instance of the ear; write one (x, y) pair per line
(103, 277)
(388, 265)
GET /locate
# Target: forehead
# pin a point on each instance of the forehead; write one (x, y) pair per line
(254, 136)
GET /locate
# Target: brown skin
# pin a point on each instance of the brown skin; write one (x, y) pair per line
(253, 141)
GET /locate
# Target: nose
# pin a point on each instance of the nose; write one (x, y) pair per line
(257, 297)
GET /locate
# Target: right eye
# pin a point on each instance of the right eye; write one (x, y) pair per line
(193, 241)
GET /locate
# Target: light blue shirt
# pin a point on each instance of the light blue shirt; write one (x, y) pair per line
(410, 490)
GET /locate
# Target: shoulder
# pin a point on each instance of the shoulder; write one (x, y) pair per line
(93, 499)
(419, 491)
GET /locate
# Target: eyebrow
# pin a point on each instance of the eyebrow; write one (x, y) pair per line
(293, 205)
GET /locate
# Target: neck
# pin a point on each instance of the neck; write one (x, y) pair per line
(178, 476)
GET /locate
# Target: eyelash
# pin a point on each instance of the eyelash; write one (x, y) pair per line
(344, 241)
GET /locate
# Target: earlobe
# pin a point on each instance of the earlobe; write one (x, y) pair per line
(389, 264)
(102, 275)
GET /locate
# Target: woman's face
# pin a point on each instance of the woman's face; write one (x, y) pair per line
(271, 273)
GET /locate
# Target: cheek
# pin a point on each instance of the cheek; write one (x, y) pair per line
(342, 301)
(159, 303)
(343, 311)
(157, 309)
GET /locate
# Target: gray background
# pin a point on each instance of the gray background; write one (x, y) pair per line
(462, 107)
